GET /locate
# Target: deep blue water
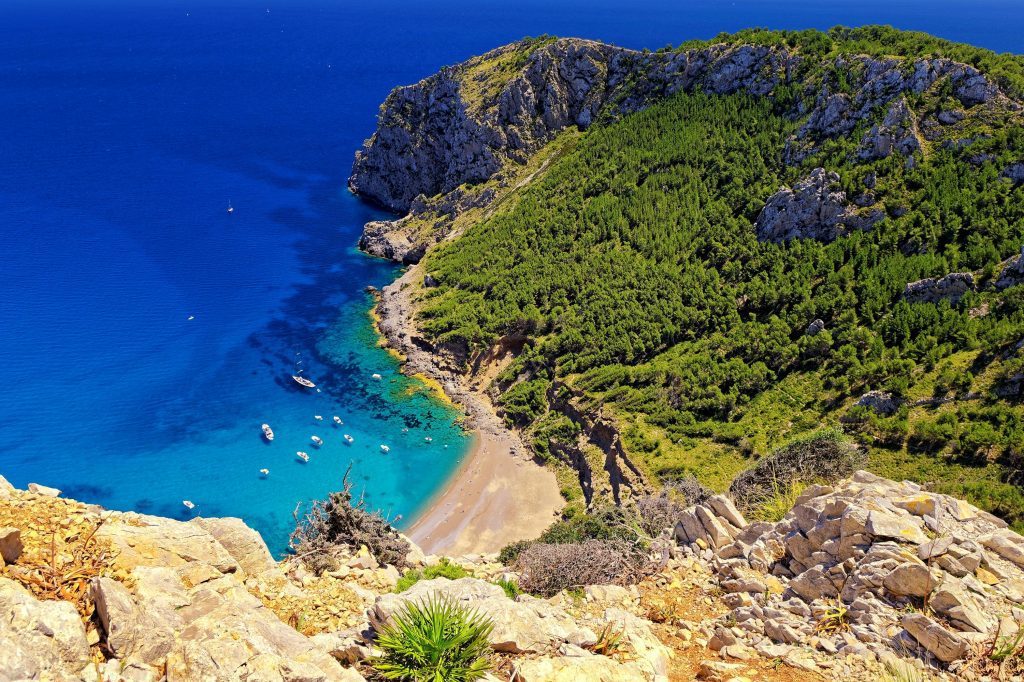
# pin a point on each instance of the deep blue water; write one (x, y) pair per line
(126, 129)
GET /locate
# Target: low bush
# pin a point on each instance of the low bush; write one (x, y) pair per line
(511, 587)
(434, 641)
(337, 524)
(824, 456)
(442, 569)
(547, 569)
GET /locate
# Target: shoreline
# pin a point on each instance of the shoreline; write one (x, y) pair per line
(498, 494)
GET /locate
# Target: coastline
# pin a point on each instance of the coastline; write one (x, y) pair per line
(498, 494)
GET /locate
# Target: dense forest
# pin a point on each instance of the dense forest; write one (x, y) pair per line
(632, 271)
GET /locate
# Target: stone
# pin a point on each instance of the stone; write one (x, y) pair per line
(608, 593)
(961, 609)
(814, 208)
(43, 490)
(813, 584)
(815, 327)
(10, 545)
(888, 525)
(717, 534)
(910, 580)
(719, 670)
(130, 631)
(723, 506)
(157, 541)
(39, 639)
(577, 669)
(781, 632)
(880, 402)
(951, 287)
(943, 644)
(1008, 545)
(243, 543)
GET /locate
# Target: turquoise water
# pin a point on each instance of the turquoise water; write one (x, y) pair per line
(128, 126)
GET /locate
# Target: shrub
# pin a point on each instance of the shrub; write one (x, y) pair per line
(657, 512)
(605, 523)
(434, 641)
(442, 569)
(823, 456)
(509, 553)
(511, 587)
(547, 569)
(334, 524)
(777, 505)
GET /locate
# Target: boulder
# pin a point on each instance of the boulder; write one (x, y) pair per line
(43, 490)
(39, 639)
(526, 625)
(157, 541)
(910, 580)
(943, 644)
(951, 287)
(243, 543)
(814, 208)
(10, 545)
(880, 402)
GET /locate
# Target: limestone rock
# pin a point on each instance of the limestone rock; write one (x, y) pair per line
(813, 208)
(1013, 272)
(529, 625)
(910, 580)
(43, 490)
(39, 639)
(243, 543)
(896, 134)
(951, 287)
(880, 402)
(157, 541)
(945, 645)
(582, 669)
(10, 545)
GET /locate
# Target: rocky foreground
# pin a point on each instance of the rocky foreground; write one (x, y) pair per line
(863, 580)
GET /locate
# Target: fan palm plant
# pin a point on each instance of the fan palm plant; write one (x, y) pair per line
(434, 641)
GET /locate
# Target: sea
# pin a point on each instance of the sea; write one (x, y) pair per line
(146, 332)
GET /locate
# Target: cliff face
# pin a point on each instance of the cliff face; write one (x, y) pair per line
(448, 130)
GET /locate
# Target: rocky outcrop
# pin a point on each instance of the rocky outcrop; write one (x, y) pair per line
(527, 625)
(880, 402)
(813, 208)
(39, 640)
(877, 548)
(896, 134)
(951, 287)
(245, 545)
(1014, 172)
(1012, 273)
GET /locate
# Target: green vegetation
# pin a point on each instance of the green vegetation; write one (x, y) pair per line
(433, 641)
(443, 569)
(510, 587)
(632, 268)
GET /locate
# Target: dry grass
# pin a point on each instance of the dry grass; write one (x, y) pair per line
(61, 552)
(325, 605)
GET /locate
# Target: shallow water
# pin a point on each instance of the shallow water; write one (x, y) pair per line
(130, 126)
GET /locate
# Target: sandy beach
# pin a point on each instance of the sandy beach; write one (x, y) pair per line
(499, 494)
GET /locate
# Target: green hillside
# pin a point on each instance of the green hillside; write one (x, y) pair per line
(633, 269)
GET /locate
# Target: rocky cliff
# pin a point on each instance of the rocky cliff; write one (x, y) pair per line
(858, 579)
(466, 123)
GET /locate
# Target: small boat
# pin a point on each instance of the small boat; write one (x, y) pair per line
(302, 455)
(191, 317)
(303, 381)
(337, 420)
(348, 438)
(317, 440)
(405, 430)
(429, 439)
(375, 376)
(268, 432)
(318, 417)
(265, 472)
(385, 448)
(231, 209)
(188, 504)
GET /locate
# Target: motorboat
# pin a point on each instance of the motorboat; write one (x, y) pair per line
(376, 376)
(348, 438)
(385, 448)
(268, 432)
(265, 472)
(188, 504)
(337, 420)
(317, 440)
(303, 381)
(429, 439)
(318, 417)
(302, 455)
